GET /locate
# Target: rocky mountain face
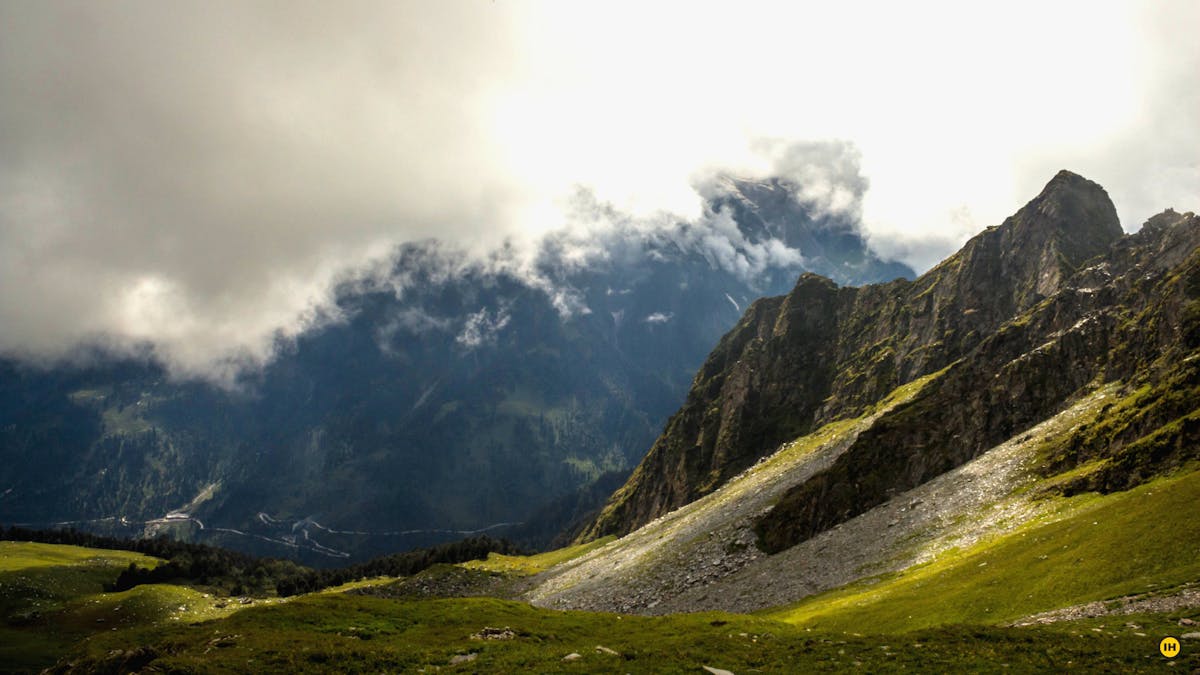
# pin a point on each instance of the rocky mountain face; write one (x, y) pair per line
(1028, 316)
(449, 396)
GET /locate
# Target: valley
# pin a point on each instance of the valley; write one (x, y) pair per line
(990, 468)
(505, 337)
(969, 609)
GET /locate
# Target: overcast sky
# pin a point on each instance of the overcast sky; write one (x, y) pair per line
(195, 175)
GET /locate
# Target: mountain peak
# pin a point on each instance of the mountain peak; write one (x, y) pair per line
(1030, 255)
(1075, 211)
(1067, 176)
(774, 209)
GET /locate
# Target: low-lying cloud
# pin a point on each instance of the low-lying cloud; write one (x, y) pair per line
(482, 327)
(194, 179)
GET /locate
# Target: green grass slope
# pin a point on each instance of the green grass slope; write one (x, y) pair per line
(532, 564)
(343, 633)
(1096, 548)
(178, 629)
(37, 583)
(53, 596)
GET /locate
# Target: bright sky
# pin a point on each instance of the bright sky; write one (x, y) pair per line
(196, 174)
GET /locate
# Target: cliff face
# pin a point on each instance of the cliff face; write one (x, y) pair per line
(1131, 316)
(1025, 315)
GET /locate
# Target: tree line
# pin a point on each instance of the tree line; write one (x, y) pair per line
(403, 564)
(234, 573)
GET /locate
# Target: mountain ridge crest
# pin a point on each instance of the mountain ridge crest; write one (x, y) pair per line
(833, 352)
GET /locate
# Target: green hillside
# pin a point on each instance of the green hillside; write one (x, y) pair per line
(360, 634)
(1096, 548)
(960, 602)
(37, 582)
(52, 596)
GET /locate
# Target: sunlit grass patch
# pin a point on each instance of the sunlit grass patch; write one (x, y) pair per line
(532, 564)
(38, 585)
(1107, 546)
(19, 555)
(38, 578)
(347, 633)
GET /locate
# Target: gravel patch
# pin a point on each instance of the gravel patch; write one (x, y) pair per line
(1186, 598)
(702, 556)
(691, 547)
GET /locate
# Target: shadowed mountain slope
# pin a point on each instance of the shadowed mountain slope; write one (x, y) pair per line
(1018, 474)
(825, 352)
(445, 395)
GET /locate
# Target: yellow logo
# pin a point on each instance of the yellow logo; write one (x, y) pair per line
(1169, 647)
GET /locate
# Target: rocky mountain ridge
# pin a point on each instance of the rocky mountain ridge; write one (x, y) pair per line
(1076, 419)
(997, 315)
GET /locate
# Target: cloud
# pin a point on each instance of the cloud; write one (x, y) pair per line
(718, 239)
(596, 232)
(199, 175)
(658, 317)
(409, 321)
(194, 179)
(827, 175)
(482, 327)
